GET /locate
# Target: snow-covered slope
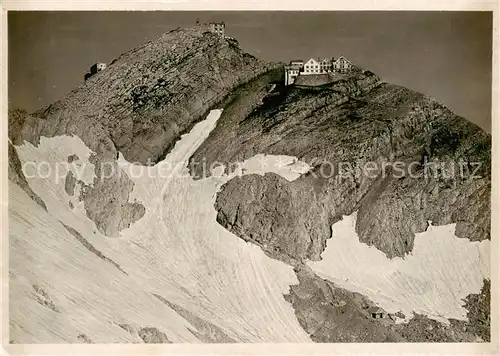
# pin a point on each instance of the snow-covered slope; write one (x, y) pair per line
(432, 280)
(70, 283)
(176, 275)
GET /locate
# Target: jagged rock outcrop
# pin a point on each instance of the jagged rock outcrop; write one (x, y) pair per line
(205, 331)
(324, 78)
(331, 314)
(152, 335)
(476, 328)
(149, 96)
(70, 183)
(16, 175)
(140, 106)
(275, 215)
(338, 129)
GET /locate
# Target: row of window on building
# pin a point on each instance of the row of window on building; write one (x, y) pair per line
(215, 27)
(316, 66)
(218, 27)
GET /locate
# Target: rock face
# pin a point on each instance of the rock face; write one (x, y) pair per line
(153, 336)
(206, 331)
(16, 175)
(148, 97)
(322, 79)
(140, 106)
(70, 183)
(373, 146)
(331, 314)
(477, 328)
(395, 156)
(284, 220)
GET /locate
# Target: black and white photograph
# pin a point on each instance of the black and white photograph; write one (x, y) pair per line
(249, 177)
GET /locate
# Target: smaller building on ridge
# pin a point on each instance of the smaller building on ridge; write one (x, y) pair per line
(218, 28)
(96, 67)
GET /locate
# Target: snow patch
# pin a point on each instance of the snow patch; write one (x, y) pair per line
(432, 280)
(50, 159)
(46, 166)
(288, 167)
(207, 269)
(177, 250)
(91, 296)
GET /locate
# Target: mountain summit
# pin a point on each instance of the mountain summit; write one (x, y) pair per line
(152, 94)
(139, 106)
(276, 230)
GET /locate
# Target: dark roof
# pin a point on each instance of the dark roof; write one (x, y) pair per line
(375, 310)
(344, 58)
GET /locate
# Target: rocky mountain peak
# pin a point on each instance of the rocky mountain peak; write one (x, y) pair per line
(142, 103)
(139, 106)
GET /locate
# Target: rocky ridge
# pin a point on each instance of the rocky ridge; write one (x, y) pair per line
(332, 314)
(140, 106)
(338, 129)
(148, 97)
(352, 121)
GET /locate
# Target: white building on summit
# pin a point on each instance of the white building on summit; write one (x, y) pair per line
(218, 28)
(292, 71)
(342, 65)
(316, 66)
(97, 67)
(311, 67)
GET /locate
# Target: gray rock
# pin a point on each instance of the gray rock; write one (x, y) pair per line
(205, 330)
(107, 202)
(140, 106)
(285, 219)
(43, 298)
(73, 158)
(479, 312)
(16, 176)
(331, 314)
(84, 339)
(148, 97)
(151, 335)
(70, 183)
(91, 248)
(386, 124)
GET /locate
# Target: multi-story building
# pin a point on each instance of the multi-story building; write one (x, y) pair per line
(218, 28)
(97, 67)
(291, 73)
(312, 66)
(316, 66)
(293, 70)
(342, 65)
(326, 65)
(298, 63)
